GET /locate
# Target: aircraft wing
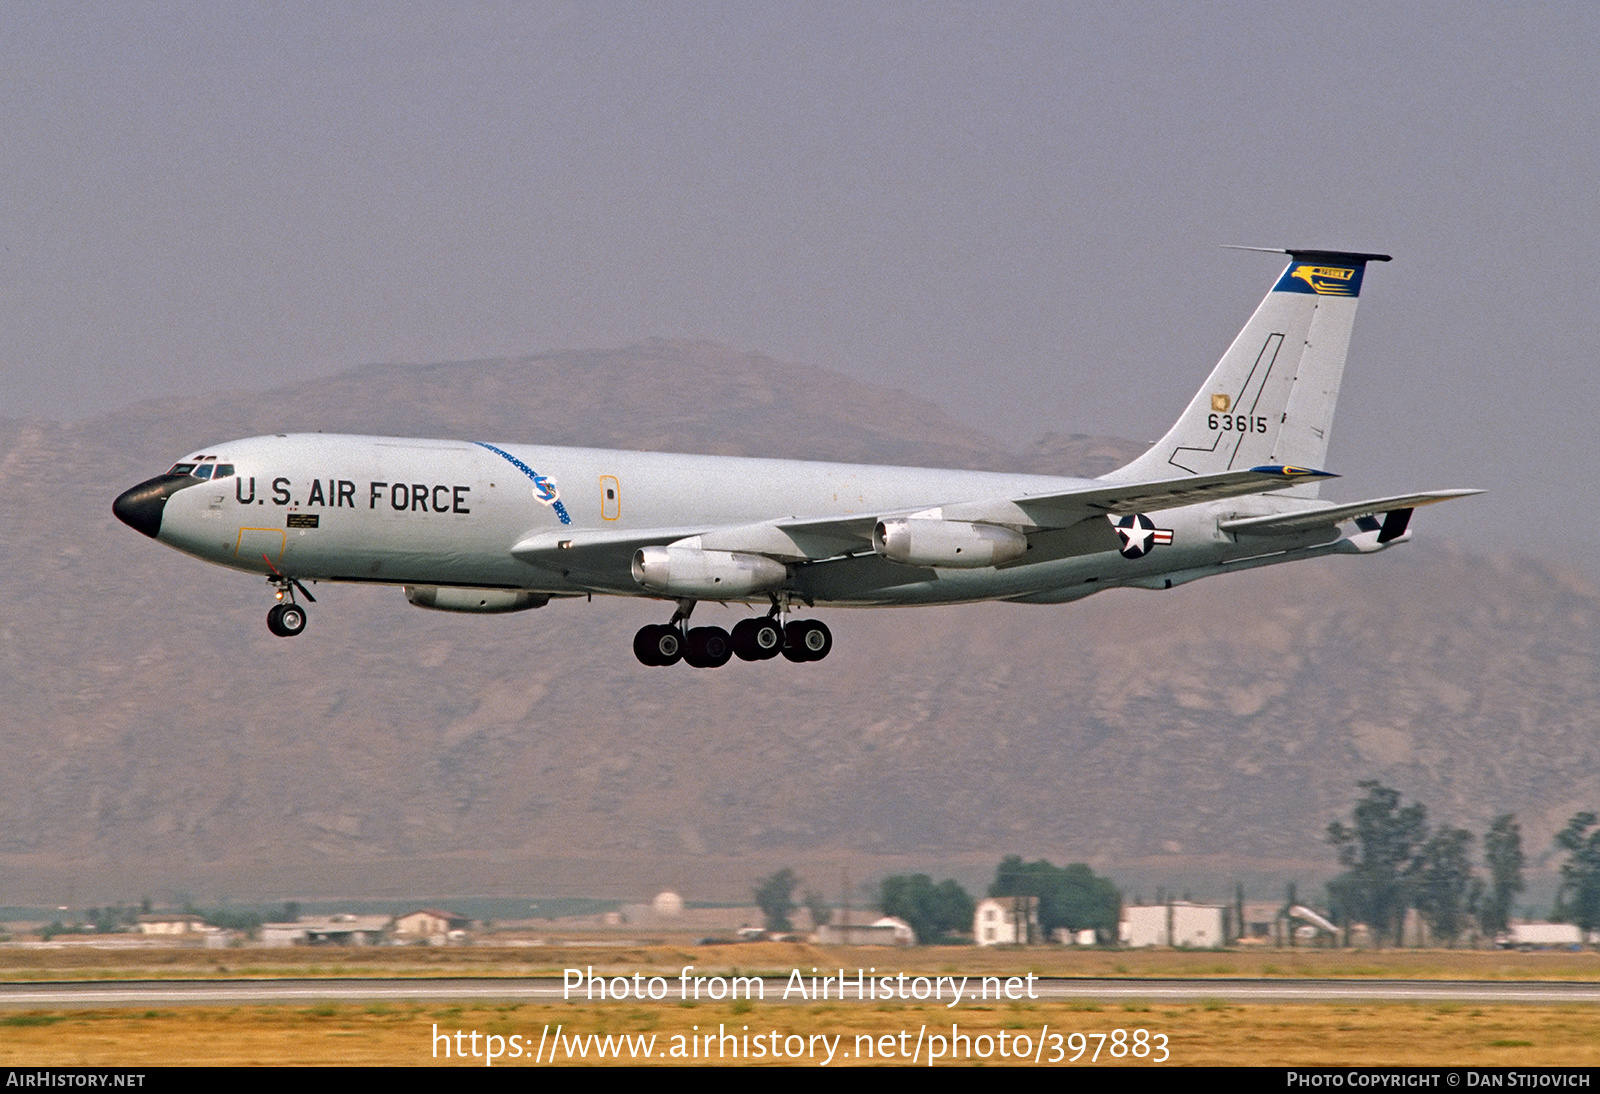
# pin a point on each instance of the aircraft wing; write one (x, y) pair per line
(604, 553)
(798, 539)
(1301, 520)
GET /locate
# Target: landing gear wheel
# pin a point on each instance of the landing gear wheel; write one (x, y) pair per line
(757, 639)
(286, 620)
(708, 648)
(658, 644)
(807, 640)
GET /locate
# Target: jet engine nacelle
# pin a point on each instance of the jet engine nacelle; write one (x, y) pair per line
(708, 575)
(948, 543)
(445, 598)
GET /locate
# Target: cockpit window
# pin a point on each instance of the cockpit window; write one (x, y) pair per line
(202, 467)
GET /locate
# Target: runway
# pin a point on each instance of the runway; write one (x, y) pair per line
(84, 995)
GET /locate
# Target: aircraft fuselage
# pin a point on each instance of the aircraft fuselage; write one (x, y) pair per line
(399, 511)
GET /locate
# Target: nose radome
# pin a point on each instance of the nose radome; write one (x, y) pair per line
(140, 508)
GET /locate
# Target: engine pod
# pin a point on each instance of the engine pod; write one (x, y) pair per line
(708, 575)
(951, 544)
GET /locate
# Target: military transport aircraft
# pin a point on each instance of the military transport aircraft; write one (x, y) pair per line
(470, 526)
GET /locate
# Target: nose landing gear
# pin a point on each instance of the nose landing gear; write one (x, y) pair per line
(286, 619)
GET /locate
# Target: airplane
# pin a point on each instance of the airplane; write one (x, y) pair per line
(479, 526)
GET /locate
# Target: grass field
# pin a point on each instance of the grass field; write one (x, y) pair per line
(76, 961)
(1215, 1033)
(755, 1032)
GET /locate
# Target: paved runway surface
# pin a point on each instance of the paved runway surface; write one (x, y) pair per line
(153, 993)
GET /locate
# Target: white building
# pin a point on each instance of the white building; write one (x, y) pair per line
(887, 931)
(171, 923)
(1544, 936)
(431, 924)
(336, 930)
(1006, 920)
(1198, 926)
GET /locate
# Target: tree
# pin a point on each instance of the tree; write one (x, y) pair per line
(935, 912)
(1070, 897)
(1502, 849)
(1376, 854)
(1578, 898)
(775, 897)
(816, 906)
(1440, 879)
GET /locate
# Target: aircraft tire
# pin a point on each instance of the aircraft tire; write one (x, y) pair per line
(658, 645)
(808, 639)
(642, 646)
(757, 639)
(291, 620)
(275, 621)
(708, 648)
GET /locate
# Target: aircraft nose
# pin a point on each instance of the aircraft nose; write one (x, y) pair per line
(140, 508)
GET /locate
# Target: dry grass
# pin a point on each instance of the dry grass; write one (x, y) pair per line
(1210, 1033)
(81, 962)
(1389, 1034)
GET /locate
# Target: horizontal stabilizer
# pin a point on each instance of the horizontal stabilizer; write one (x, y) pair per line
(1301, 520)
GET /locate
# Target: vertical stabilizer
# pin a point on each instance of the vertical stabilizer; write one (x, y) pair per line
(1271, 398)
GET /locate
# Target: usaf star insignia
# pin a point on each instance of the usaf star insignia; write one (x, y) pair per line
(1140, 535)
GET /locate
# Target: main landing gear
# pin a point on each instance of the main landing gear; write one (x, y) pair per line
(757, 639)
(287, 619)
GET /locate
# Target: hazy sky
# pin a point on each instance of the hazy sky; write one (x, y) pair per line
(1013, 209)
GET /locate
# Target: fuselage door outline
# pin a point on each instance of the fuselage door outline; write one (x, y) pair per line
(610, 498)
(256, 542)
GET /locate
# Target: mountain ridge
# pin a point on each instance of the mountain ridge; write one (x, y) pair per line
(161, 737)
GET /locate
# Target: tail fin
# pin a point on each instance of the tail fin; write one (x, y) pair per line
(1271, 398)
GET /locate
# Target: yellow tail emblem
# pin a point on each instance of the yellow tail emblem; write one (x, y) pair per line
(1326, 280)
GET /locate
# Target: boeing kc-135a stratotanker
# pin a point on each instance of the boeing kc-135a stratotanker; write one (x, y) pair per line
(474, 526)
